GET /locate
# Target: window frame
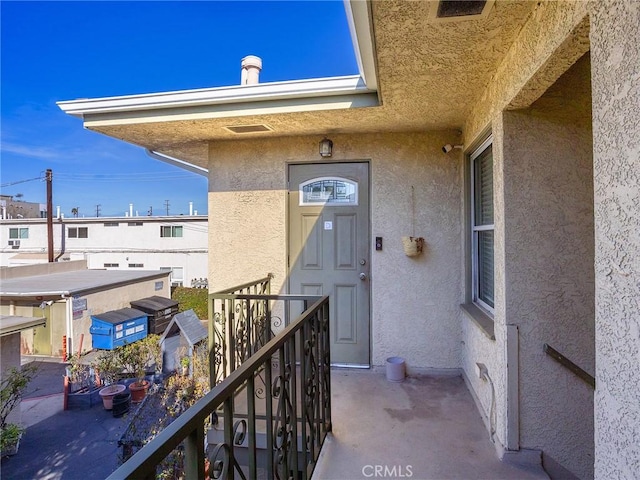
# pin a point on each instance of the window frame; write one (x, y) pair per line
(77, 232)
(173, 229)
(20, 232)
(475, 229)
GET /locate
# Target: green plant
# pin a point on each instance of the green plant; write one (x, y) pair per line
(192, 298)
(137, 356)
(10, 436)
(12, 387)
(185, 361)
(108, 366)
(133, 357)
(152, 344)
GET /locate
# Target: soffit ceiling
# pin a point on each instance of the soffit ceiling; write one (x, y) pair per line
(429, 74)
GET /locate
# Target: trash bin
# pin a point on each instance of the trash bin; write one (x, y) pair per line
(395, 369)
(117, 327)
(121, 404)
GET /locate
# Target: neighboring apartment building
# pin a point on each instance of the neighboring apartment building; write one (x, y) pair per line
(11, 208)
(175, 243)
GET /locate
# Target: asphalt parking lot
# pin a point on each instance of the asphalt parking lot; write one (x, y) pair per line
(59, 444)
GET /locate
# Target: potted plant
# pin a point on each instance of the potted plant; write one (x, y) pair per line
(184, 363)
(135, 357)
(108, 367)
(11, 389)
(152, 343)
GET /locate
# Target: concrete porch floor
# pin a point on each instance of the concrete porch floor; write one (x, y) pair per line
(425, 428)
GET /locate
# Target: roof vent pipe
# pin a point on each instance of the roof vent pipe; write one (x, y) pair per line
(131, 209)
(251, 66)
(190, 208)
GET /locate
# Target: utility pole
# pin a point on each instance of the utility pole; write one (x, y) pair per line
(166, 204)
(49, 180)
(150, 212)
(98, 210)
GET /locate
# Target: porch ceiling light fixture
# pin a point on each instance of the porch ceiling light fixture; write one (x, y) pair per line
(326, 147)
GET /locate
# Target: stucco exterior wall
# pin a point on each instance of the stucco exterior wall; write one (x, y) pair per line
(477, 348)
(553, 38)
(113, 299)
(97, 302)
(548, 202)
(415, 311)
(615, 53)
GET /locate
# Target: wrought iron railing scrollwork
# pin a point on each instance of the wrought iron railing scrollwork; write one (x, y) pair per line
(239, 327)
(277, 435)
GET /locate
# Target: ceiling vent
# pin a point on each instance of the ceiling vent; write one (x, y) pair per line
(249, 128)
(459, 10)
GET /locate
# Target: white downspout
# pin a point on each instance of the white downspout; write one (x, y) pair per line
(69, 321)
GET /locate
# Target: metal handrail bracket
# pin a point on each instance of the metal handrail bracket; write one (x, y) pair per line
(568, 364)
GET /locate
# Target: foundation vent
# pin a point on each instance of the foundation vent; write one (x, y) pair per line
(249, 128)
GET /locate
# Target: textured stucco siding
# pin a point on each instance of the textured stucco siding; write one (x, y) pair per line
(615, 53)
(114, 299)
(414, 306)
(553, 38)
(478, 348)
(548, 202)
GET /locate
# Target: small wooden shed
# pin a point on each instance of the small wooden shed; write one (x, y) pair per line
(184, 330)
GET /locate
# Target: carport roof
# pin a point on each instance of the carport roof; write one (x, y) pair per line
(13, 323)
(74, 283)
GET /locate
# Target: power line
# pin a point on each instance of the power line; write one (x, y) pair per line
(20, 181)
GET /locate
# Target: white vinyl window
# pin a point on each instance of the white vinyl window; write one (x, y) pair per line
(170, 231)
(18, 233)
(78, 232)
(482, 230)
(177, 275)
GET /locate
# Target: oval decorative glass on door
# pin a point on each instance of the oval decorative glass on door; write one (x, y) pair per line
(334, 190)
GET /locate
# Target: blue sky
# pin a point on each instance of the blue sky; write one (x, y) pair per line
(54, 51)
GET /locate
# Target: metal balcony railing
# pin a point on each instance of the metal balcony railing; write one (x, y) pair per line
(271, 404)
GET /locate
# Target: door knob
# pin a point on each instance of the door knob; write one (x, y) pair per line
(363, 276)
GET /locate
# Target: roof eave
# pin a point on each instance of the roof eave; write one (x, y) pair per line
(278, 92)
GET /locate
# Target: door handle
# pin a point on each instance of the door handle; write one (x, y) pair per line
(363, 276)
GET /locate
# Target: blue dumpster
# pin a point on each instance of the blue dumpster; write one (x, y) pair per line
(117, 327)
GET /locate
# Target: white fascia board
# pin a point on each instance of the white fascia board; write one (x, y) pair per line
(238, 94)
(360, 25)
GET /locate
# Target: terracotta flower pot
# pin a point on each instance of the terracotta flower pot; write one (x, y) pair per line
(107, 393)
(138, 391)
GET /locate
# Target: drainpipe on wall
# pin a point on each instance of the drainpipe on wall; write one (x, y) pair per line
(63, 238)
(69, 321)
(513, 392)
